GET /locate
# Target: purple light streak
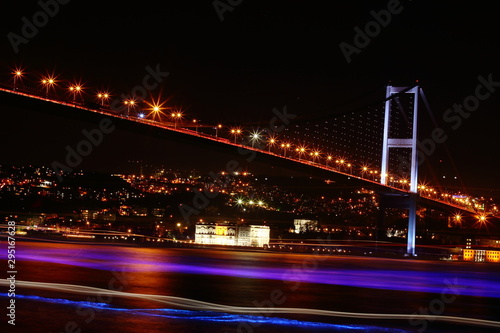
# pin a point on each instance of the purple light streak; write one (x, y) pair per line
(158, 260)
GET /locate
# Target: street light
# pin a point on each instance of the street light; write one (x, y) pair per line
(328, 159)
(196, 124)
(235, 132)
(18, 75)
(217, 128)
(301, 150)
(103, 96)
(255, 136)
(340, 163)
(482, 220)
(48, 81)
(130, 103)
(76, 89)
(156, 109)
(364, 169)
(176, 116)
(314, 154)
(285, 146)
(271, 142)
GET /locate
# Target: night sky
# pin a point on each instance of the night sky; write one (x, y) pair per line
(262, 55)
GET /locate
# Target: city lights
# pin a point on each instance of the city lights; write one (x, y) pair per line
(156, 109)
(232, 166)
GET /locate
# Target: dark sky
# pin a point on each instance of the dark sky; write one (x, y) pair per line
(264, 54)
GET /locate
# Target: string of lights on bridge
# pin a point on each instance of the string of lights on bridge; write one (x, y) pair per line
(291, 144)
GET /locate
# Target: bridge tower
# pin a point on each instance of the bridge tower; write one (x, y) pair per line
(403, 142)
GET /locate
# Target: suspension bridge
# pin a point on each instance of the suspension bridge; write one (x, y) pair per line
(376, 146)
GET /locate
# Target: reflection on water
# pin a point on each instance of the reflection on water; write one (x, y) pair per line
(326, 269)
(211, 316)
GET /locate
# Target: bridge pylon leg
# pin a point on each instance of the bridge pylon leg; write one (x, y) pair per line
(412, 225)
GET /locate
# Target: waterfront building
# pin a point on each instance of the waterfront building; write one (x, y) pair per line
(482, 255)
(224, 233)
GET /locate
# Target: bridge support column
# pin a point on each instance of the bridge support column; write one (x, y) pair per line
(412, 225)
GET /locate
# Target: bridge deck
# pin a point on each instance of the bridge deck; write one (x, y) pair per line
(181, 128)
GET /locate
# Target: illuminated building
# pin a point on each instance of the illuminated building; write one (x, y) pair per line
(481, 255)
(253, 235)
(231, 234)
(484, 249)
(215, 233)
(493, 256)
(302, 226)
(225, 234)
(205, 233)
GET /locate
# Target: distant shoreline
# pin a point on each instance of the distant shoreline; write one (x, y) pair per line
(349, 250)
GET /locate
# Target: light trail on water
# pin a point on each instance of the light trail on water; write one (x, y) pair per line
(192, 304)
(376, 278)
